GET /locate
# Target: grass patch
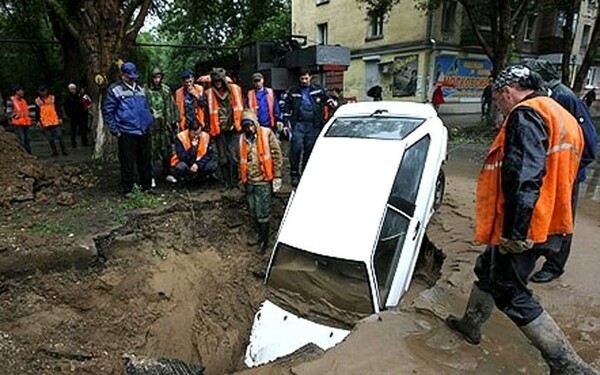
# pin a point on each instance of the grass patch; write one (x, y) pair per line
(115, 214)
(140, 199)
(54, 228)
(478, 134)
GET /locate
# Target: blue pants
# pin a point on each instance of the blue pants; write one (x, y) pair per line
(206, 166)
(22, 133)
(54, 133)
(304, 136)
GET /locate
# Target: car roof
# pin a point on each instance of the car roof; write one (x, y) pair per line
(395, 108)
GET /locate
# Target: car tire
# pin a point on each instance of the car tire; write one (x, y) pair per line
(440, 187)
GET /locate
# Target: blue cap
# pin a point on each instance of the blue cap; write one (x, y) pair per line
(186, 74)
(129, 70)
(16, 87)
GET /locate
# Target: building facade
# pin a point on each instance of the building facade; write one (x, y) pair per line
(409, 52)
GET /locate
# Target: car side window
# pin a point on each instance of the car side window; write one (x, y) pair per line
(389, 249)
(408, 178)
(400, 208)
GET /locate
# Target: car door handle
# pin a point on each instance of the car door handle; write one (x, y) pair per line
(417, 227)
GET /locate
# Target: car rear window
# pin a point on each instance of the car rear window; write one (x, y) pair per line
(373, 127)
(324, 285)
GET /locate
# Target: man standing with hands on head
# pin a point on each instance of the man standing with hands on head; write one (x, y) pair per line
(523, 208)
(128, 117)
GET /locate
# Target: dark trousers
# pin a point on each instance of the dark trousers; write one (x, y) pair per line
(79, 126)
(556, 261)
(505, 277)
(206, 166)
(53, 134)
(22, 133)
(135, 150)
(304, 136)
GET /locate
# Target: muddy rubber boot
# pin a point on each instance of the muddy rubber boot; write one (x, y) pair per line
(549, 339)
(478, 311)
(263, 234)
(254, 238)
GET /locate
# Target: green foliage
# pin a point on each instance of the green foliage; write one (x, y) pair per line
(116, 214)
(54, 228)
(140, 199)
(379, 8)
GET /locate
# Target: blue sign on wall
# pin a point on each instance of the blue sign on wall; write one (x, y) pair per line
(462, 77)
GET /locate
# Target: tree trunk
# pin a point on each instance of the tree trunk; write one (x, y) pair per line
(588, 59)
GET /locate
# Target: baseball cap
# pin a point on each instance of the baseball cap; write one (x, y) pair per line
(515, 74)
(186, 74)
(156, 72)
(257, 76)
(129, 70)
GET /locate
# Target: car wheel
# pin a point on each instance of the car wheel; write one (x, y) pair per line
(440, 186)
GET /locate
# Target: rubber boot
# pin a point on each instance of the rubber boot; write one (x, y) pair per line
(478, 311)
(546, 335)
(254, 238)
(263, 235)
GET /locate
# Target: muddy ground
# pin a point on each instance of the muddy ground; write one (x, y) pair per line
(89, 279)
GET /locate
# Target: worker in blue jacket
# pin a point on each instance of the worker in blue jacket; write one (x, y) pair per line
(554, 266)
(128, 117)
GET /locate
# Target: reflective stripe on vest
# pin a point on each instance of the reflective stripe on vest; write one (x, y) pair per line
(253, 103)
(263, 151)
(213, 109)
(21, 112)
(48, 115)
(184, 137)
(552, 213)
(180, 100)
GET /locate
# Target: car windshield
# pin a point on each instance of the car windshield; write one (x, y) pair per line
(319, 287)
(373, 127)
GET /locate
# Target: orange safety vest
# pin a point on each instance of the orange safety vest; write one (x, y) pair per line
(48, 115)
(552, 213)
(21, 112)
(253, 103)
(184, 137)
(264, 154)
(180, 98)
(213, 108)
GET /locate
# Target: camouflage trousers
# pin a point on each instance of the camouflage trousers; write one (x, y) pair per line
(161, 145)
(259, 201)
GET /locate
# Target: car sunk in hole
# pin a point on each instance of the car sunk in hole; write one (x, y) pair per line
(351, 233)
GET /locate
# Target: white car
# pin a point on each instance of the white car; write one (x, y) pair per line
(351, 233)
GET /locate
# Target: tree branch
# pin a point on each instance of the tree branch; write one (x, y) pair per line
(469, 10)
(139, 20)
(59, 11)
(130, 9)
(520, 12)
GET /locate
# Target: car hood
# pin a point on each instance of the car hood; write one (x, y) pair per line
(341, 198)
(277, 333)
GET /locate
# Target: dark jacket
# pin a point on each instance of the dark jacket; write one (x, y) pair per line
(126, 110)
(189, 156)
(523, 168)
(319, 98)
(569, 101)
(74, 108)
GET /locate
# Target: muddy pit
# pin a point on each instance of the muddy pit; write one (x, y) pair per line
(179, 283)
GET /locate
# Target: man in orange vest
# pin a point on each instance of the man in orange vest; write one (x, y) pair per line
(18, 113)
(262, 101)
(523, 205)
(193, 155)
(49, 119)
(190, 101)
(224, 103)
(260, 172)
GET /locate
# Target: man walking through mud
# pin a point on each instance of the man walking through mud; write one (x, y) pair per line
(523, 205)
(128, 117)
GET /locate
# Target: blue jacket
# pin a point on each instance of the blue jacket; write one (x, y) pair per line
(566, 98)
(126, 110)
(263, 108)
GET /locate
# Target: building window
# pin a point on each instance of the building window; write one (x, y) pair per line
(448, 17)
(529, 28)
(322, 33)
(590, 80)
(585, 38)
(376, 27)
(321, 2)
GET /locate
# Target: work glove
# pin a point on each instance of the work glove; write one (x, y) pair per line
(276, 185)
(508, 246)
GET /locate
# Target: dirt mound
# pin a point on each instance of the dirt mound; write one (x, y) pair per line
(24, 177)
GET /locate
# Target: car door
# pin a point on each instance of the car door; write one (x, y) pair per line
(405, 217)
